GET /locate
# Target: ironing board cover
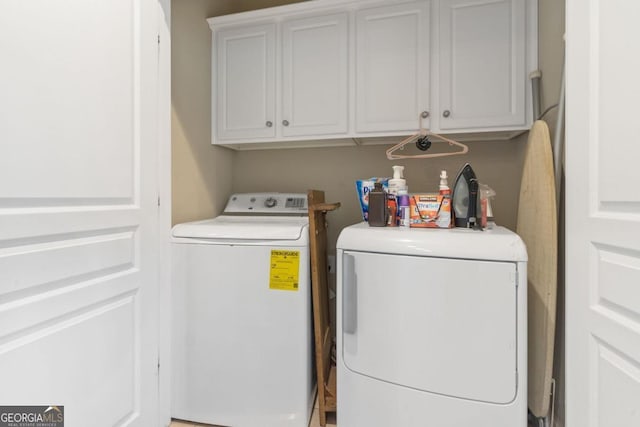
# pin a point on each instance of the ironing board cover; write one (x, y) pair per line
(538, 227)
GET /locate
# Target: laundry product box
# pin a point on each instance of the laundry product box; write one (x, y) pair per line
(363, 187)
(430, 210)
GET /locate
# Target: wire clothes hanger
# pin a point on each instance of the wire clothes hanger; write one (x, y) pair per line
(423, 133)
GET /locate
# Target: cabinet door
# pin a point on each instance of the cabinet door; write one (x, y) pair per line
(392, 67)
(482, 64)
(244, 97)
(314, 75)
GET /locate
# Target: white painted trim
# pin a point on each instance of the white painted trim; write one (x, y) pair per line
(490, 134)
(292, 10)
(164, 220)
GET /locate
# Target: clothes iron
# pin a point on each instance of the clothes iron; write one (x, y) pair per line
(466, 200)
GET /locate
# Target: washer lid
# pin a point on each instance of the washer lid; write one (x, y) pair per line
(244, 228)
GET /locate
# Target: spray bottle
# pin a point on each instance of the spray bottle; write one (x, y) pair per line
(444, 185)
(396, 184)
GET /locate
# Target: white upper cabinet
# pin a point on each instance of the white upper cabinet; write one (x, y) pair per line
(392, 66)
(482, 64)
(244, 79)
(315, 75)
(324, 72)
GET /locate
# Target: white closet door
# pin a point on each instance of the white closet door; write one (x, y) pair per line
(482, 63)
(78, 209)
(245, 91)
(392, 66)
(315, 75)
(603, 215)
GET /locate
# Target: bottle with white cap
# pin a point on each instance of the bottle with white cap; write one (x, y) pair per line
(404, 212)
(397, 182)
(444, 185)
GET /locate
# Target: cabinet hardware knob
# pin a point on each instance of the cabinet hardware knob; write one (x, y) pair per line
(269, 124)
(424, 114)
(446, 113)
(285, 122)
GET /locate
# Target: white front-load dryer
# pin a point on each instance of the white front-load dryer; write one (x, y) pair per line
(431, 328)
(242, 331)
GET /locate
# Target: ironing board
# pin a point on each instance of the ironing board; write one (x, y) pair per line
(538, 227)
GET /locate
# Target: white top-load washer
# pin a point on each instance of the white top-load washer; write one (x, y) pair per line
(242, 331)
(431, 327)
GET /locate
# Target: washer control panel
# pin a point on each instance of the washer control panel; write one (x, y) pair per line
(267, 203)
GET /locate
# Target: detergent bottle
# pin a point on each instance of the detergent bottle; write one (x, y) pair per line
(397, 182)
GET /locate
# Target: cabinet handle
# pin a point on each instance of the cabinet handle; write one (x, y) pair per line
(424, 114)
(269, 124)
(446, 113)
(285, 122)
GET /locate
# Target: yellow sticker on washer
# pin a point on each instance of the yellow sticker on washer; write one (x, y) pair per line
(283, 274)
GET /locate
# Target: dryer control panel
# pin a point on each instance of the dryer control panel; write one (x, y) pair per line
(267, 204)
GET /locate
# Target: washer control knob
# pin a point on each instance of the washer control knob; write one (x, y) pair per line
(270, 202)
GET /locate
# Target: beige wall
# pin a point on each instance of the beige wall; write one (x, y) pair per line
(201, 173)
(335, 171)
(551, 52)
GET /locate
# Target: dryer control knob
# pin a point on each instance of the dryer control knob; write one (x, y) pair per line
(270, 202)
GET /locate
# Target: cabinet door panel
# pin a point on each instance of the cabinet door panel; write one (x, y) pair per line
(314, 75)
(392, 67)
(482, 64)
(245, 78)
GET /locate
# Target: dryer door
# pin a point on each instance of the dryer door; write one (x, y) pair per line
(439, 325)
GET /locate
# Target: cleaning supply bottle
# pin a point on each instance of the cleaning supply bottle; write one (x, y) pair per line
(397, 182)
(404, 213)
(378, 206)
(392, 210)
(444, 185)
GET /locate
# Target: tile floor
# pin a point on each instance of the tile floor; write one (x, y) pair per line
(315, 421)
(331, 421)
